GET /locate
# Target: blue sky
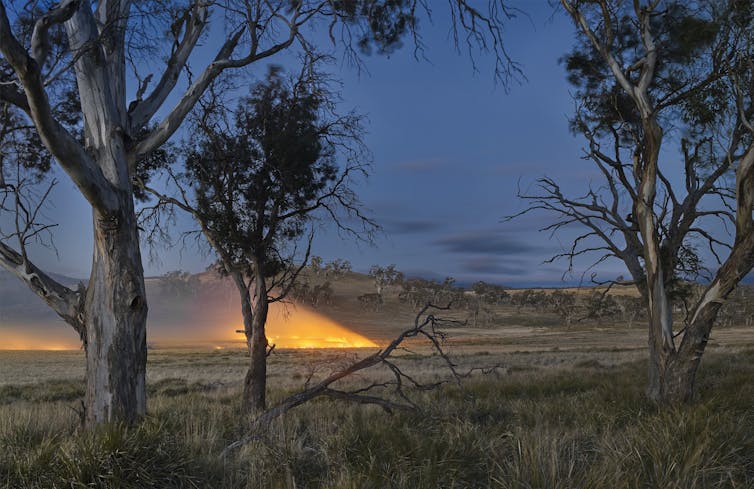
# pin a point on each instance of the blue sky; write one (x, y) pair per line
(450, 149)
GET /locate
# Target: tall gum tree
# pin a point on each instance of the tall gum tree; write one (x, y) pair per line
(97, 42)
(652, 74)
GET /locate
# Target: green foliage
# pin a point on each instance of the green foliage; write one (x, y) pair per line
(419, 292)
(23, 156)
(150, 164)
(490, 293)
(695, 44)
(271, 162)
(385, 277)
(259, 174)
(179, 284)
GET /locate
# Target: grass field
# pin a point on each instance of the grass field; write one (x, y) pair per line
(550, 419)
(564, 408)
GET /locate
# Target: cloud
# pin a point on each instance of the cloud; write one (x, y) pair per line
(410, 226)
(492, 242)
(491, 265)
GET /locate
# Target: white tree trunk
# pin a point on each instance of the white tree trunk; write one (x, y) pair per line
(116, 312)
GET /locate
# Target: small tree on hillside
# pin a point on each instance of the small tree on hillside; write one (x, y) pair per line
(385, 277)
(315, 263)
(600, 305)
(564, 305)
(337, 268)
(490, 293)
(255, 182)
(179, 283)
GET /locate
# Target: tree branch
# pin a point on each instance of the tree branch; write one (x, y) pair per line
(221, 62)
(425, 325)
(194, 22)
(71, 156)
(40, 43)
(67, 303)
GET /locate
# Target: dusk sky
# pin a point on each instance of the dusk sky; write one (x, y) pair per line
(450, 149)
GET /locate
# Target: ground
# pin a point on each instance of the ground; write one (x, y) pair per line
(563, 407)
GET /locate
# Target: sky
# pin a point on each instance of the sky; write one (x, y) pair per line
(450, 146)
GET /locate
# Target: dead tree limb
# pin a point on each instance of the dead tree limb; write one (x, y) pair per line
(425, 326)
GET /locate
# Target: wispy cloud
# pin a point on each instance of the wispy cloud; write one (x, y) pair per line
(492, 242)
(490, 265)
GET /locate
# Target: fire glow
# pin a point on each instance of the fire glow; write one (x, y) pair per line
(14, 340)
(201, 323)
(300, 327)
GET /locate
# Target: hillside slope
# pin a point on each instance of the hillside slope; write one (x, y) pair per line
(204, 310)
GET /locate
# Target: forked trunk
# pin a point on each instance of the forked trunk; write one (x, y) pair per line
(116, 312)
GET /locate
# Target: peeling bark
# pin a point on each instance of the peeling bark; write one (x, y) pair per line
(116, 311)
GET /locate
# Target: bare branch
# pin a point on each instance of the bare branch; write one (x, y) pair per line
(67, 303)
(40, 43)
(74, 159)
(425, 325)
(193, 23)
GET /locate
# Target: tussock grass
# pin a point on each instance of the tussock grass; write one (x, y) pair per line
(147, 455)
(48, 391)
(583, 427)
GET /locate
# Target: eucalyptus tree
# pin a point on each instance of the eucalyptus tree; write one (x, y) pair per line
(256, 181)
(102, 85)
(651, 76)
(385, 277)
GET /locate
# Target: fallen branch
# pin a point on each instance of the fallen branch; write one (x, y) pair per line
(425, 325)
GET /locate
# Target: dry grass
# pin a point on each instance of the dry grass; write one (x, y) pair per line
(547, 420)
(564, 410)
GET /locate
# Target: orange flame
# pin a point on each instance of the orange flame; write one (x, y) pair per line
(300, 327)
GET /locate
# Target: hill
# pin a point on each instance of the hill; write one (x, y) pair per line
(344, 310)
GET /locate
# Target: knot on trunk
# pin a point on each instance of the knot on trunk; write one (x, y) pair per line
(110, 223)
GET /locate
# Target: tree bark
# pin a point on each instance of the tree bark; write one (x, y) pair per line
(255, 385)
(115, 307)
(116, 312)
(672, 373)
(670, 376)
(255, 308)
(112, 321)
